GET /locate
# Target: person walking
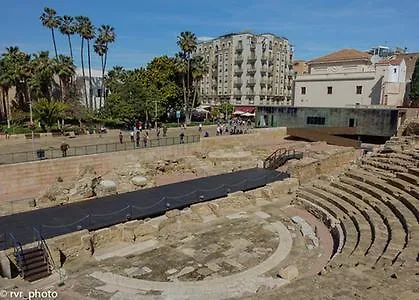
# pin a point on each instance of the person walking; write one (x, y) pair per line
(145, 139)
(182, 137)
(200, 128)
(132, 136)
(158, 133)
(137, 138)
(121, 137)
(164, 130)
(64, 147)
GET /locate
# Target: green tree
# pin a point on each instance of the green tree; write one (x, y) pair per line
(65, 69)
(414, 88)
(49, 111)
(19, 70)
(226, 108)
(50, 20)
(67, 27)
(41, 80)
(199, 69)
(161, 76)
(6, 82)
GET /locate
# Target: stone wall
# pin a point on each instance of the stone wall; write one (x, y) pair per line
(311, 168)
(26, 180)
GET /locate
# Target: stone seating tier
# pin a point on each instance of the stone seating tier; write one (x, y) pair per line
(379, 233)
(351, 235)
(365, 234)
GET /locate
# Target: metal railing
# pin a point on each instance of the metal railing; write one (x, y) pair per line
(42, 244)
(50, 153)
(18, 252)
(280, 157)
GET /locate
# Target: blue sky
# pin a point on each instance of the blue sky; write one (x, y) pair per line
(146, 29)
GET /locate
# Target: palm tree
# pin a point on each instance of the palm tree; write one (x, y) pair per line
(80, 27)
(187, 42)
(106, 36)
(43, 69)
(65, 69)
(67, 27)
(49, 111)
(50, 20)
(19, 68)
(199, 68)
(182, 68)
(6, 82)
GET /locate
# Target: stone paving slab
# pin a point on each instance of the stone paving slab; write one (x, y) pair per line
(128, 249)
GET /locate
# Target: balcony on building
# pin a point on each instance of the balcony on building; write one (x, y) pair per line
(238, 59)
(239, 48)
(238, 71)
(251, 82)
(264, 82)
(238, 82)
(251, 71)
(263, 70)
(252, 58)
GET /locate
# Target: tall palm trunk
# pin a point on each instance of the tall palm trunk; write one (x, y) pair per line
(195, 94)
(189, 90)
(8, 110)
(90, 76)
(185, 93)
(84, 75)
(53, 40)
(70, 46)
(102, 82)
(3, 104)
(105, 61)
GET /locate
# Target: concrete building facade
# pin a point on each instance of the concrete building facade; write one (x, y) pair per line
(247, 69)
(349, 78)
(94, 90)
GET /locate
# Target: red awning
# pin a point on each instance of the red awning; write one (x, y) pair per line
(245, 109)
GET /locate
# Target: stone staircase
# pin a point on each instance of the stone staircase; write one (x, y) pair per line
(33, 263)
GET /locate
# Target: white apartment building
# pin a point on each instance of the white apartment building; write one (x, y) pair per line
(95, 90)
(349, 78)
(247, 69)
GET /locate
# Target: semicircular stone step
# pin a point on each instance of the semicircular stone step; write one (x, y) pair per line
(379, 231)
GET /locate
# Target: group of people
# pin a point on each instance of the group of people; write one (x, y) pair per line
(234, 126)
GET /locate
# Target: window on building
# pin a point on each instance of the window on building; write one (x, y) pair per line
(303, 90)
(329, 90)
(316, 120)
(352, 122)
(99, 92)
(359, 89)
